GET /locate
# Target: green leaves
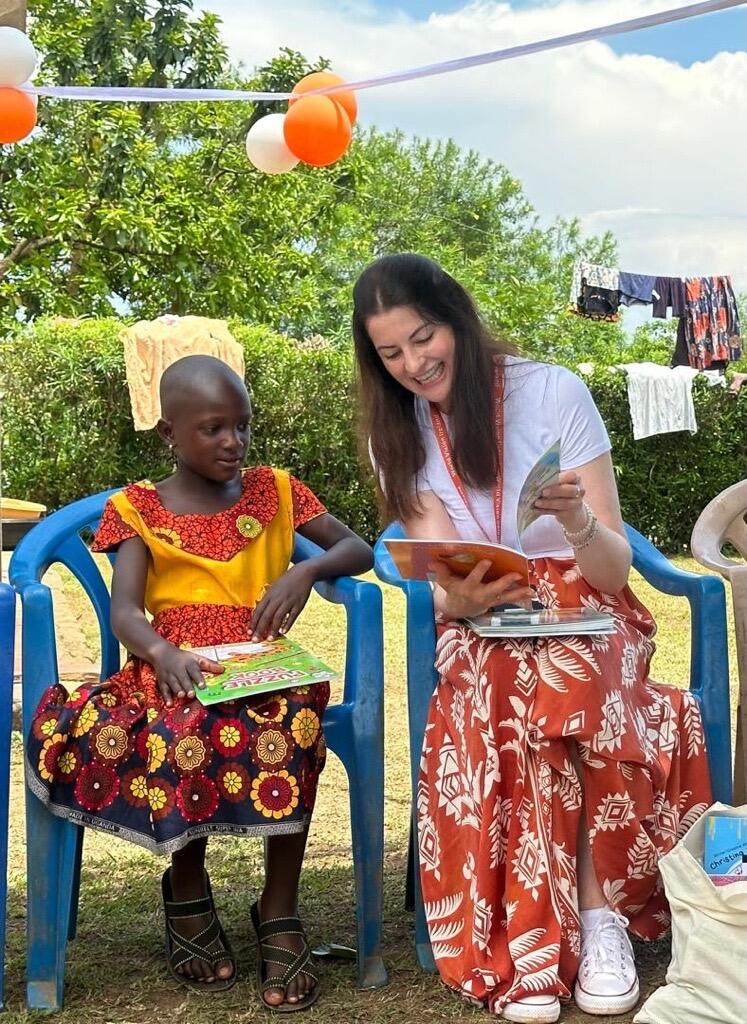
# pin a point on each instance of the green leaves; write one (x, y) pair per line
(156, 207)
(68, 428)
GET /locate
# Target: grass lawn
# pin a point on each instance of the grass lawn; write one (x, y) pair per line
(116, 973)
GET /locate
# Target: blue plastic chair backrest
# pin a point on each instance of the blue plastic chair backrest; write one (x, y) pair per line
(58, 539)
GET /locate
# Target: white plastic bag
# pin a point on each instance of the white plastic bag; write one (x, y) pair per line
(707, 979)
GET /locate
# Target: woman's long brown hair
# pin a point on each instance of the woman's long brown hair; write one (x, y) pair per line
(387, 419)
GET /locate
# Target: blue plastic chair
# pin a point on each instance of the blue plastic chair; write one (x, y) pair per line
(354, 730)
(709, 674)
(7, 635)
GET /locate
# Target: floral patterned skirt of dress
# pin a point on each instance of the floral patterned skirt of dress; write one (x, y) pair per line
(525, 736)
(112, 756)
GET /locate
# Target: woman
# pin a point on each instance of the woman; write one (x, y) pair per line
(554, 772)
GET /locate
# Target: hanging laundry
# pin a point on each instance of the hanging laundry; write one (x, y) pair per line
(681, 356)
(669, 292)
(660, 398)
(152, 345)
(711, 322)
(636, 289)
(595, 291)
(593, 274)
(598, 303)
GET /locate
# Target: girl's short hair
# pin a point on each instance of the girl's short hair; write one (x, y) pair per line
(387, 424)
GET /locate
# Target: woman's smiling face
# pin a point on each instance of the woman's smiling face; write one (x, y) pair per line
(417, 352)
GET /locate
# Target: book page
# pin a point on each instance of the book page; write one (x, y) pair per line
(543, 474)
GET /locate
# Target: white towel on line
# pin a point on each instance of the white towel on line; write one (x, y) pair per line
(660, 398)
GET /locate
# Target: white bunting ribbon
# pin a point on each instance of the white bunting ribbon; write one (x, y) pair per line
(145, 95)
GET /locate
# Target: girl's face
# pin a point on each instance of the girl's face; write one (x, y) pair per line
(418, 353)
(211, 438)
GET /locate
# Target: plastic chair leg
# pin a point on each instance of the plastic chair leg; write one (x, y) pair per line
(410, 874)
(4, 788)
(72, 927)
(53, 849)
(7, 630)
(367, 827)
(422, 938)
(414, 902)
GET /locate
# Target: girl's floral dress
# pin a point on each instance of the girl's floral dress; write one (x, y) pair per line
(112, 756)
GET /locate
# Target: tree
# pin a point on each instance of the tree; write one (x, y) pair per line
(105, 196)
(156, 206)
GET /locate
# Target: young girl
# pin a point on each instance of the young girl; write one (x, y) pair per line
(554, 772)
(207, 553)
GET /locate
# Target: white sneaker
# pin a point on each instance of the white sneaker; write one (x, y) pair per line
(533, 1010)
(607, 982)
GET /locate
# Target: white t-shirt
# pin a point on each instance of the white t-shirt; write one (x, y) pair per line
(541, 404)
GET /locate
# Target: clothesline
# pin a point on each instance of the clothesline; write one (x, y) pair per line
(708, 331)
(169, 95)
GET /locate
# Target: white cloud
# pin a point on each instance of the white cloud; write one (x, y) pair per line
(637, 144)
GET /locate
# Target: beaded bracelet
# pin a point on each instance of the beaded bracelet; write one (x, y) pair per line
(593, 530)
(583, 537)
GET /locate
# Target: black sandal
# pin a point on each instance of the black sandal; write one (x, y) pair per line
(180, 949)
(294, 963)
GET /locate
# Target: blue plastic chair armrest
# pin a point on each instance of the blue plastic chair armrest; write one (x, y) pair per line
(709, 653)
(340, 590)
(364, 640)
(657, 570)
(384, 566)
(418, 593)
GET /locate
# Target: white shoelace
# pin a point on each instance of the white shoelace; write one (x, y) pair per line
(608, 944)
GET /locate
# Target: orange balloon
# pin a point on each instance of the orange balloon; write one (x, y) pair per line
(17, 115)
(323, 80)
(317, 130)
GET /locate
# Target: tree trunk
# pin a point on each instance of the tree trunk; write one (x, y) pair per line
(13, 13)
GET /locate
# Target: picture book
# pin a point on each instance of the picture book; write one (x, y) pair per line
(725, 850)
(508, 622)
(414, 557)
(258, 667)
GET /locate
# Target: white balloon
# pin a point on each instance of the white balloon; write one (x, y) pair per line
(17, 57)
(266, 146)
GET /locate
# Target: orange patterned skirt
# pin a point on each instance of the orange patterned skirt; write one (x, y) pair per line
(500, 800)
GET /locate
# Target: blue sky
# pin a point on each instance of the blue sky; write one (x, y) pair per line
(650, 149)
(685, 42)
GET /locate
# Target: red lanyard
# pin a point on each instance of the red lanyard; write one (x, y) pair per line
(444, 444)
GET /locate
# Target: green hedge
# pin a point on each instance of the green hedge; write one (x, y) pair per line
(68, 429)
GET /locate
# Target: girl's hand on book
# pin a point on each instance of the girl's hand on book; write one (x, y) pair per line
(282, 603)
(468, 595)
(564, 500)
(178, 672)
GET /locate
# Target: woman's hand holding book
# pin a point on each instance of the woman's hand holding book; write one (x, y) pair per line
(469, 595)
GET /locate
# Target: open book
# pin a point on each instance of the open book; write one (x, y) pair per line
(413, 557)
(258, 667)
(519, 622)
